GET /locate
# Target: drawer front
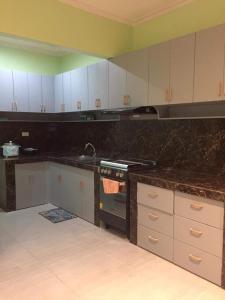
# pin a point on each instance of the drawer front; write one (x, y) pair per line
(155, 219)
(197, 261)
(155, 242)
(155, 197)
(202, 210)
(204, 237)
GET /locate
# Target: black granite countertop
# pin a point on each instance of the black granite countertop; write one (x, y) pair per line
(208, 185)
(62, 158)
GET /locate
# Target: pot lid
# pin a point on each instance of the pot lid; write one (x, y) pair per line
(10, 143)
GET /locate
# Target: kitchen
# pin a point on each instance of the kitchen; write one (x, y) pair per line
(125, 145)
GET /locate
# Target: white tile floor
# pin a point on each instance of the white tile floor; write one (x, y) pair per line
(76, 260)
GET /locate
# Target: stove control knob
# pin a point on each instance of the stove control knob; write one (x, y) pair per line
(109, 172)
(117, 174)
(121, 174)
(102, 171)
(105, 171)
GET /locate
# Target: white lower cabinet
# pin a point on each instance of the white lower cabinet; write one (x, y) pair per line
(31, 185)
(197, 261)
(186, 229)
(72, 189)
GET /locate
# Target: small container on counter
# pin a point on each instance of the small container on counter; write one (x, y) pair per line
(10, 149)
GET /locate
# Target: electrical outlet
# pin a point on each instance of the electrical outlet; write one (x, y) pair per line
(25, 133)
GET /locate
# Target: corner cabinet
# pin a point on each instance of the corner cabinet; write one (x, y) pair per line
(209, 81)
(98, 85)
(72, 189)
(128, 80)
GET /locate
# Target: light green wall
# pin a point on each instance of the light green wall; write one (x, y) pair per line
(18, 59)
(56, 23)
(73, 61)
(197, 15)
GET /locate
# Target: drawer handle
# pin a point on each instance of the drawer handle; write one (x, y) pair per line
(196, 233)
(196, 206)
(152, 239)
(153, 216)
(195, 259)
(153, 196)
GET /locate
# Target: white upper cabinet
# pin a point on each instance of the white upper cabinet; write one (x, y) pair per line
(6, 90)
(35, 92)
(117, 84)
(59, 100)
(67, 96)
(98, 85)
(209, 64)
(182, 69)
(48, 93)
(128, 80)
(137, 78)
(159, 74)
(79, 89)
(21, 92)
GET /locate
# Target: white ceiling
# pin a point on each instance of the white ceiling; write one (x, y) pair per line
(127, 11)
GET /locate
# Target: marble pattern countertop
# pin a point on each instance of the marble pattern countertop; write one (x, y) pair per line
(205, 185)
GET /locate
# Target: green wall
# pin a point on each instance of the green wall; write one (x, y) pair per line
(18, 59)
(56, 23)
(192, 17)
(73, 61)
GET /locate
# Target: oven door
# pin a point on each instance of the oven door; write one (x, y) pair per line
(115, 204)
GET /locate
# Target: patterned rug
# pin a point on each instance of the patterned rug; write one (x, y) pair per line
(57, 215)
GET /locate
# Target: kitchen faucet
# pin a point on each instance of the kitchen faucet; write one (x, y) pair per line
(92, 147)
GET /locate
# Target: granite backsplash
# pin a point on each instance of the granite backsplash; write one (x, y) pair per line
(198, 144)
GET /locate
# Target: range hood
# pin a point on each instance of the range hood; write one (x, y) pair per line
(141, 112)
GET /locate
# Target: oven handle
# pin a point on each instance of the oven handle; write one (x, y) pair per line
(122, 183)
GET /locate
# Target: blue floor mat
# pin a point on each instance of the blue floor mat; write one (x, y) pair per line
(57, 215)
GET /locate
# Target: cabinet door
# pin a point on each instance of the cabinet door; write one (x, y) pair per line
(79, 89)
(35, 92)
(6, 88)
(137, 78)
(48, 93)
(98, 85)
(117, 83)
(67, 91)
(21, 93)
(86, 189)
(159, 74)
(23, 187)
(182, 69)
(209, 64)
(59, 101)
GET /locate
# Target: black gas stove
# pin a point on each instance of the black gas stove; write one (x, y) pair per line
(115, 191)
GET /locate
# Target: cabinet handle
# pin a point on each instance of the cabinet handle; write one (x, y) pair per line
(171, 95)
(224, 90)
(167, 95)
(126, 100)
(152, 239)
(12, 106)
(195, 259)
(78, 105)
(44, 108)
(196, 233)
(196, 206)
(98, 103)
(153, 196)
(62, 107)
(15, 106)
(153, 216)
(220, 89)
(41, 107)
(81, 184)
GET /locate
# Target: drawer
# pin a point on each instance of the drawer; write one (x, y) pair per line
(197, 261)
(155, 219)
(155, 197)
(155, 242)
(204, 237)
(202, 210)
